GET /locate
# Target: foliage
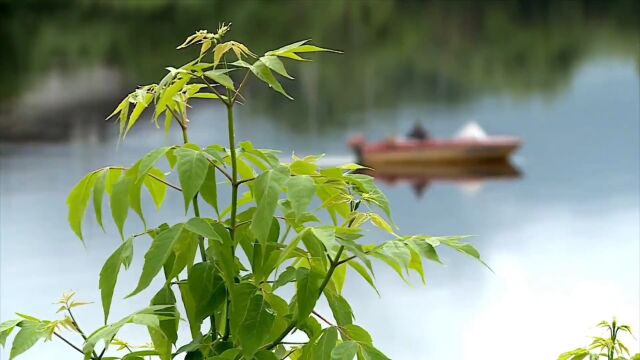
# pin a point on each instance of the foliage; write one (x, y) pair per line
(610, 348)
(230, 272)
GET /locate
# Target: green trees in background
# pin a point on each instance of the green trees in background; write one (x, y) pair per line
(243, 275)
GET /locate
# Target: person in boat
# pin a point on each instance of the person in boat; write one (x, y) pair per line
(418, 133)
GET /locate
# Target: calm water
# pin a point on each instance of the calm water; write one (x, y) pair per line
(563, 239)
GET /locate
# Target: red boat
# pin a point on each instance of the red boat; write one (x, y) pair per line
(471, 146)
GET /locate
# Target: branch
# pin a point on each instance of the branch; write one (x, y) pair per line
(68, 343)
(214, 90)
(226, 174)
(148, 174)
(246, 75)
(322, 318)
(244, 181)
(77, 326)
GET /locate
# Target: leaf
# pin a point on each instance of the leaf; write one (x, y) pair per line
(267, 190)
(220, 76)
(164, 338)
(276, 65)
(345, 351)
(323, 348)
(262, 72)
(364, 274)
(291, 50)
(370, 353)
(98, 194)
(156, 188)
(149, 317)
(370, 192)
(265, 355)
(144, 99)
(6, 328)
(192, 171)
(207, 289)
(120, 201)
(340, 308)
(285, 277)
(158, 254)
(300, 193)
(253, 318)
(78, 201)
(209, 189)
(203, 228)
(28, 335)
(170, 92)
(149, 161)
(109, 274)
(357, 333)
(307, 292)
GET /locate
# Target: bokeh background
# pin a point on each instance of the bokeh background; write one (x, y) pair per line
(561, 232)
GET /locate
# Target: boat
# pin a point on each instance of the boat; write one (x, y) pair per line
(471, 145)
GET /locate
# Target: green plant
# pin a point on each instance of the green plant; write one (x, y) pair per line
(610, 348)
(227, 272)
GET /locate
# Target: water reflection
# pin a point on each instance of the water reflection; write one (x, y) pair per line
(470, 177)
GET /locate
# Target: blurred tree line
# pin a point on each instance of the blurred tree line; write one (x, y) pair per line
(443, 51)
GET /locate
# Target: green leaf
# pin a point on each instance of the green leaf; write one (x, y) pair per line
(265, 355)
(156, 188)
(149, 317)
(370, 192)
(203, 228)
(170, 92)
(285, 277)
(144, 99)
(364, 273)
(307, 292)
(357, 333)
(276, 65)
(207, 289)
(98, 194)
(149, 161)
(368, 352)
(253, 318)
(345, 351)
(158, 253)
(220, 76)
(120, 201)
(323, 348)
(267, 190)
(192, 171)
(29, 334)
(168, 334)
(78, 201)
(262, 72)
(209, 189)
(6, 328)
(339, 307)
(300, 193)
(110, 271)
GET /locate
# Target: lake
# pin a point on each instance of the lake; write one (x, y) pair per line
(562, 238)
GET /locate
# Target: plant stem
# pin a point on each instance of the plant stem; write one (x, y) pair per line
(75, 324)
(234, 200)
(234, 170)
(69, 343)
(196, 212)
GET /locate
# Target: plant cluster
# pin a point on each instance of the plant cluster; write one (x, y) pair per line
(610, 348)
(227, 269)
